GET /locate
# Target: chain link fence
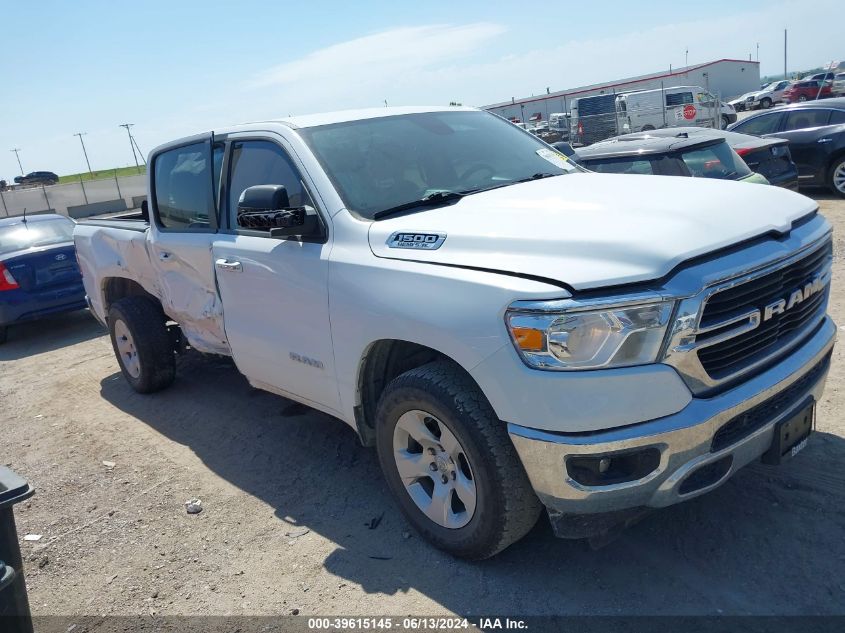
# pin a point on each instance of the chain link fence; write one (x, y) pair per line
(76, 199)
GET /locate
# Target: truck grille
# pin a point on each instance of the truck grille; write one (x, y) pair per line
(727, 357)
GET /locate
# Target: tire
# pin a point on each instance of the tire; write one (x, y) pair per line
(725, 122)
(836, 176)
(802, 98)
(478, 456)
(647, 128)
(766, 103)
(142, 344)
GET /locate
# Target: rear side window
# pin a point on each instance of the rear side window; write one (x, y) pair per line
(802, 119)
(837, 117)
(183, 187)
(715, 161)
(678, 98)
(765, 124)
(621, 166)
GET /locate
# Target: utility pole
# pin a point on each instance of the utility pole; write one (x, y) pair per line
(16, 150)
(785, 76)
(758, 51)
(84, 151)
(686, 57)
(131, 144)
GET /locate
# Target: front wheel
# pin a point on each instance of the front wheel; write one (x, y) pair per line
(766, 103)
(836, 176)
(450, 464)
(142, 344)
(802, 98)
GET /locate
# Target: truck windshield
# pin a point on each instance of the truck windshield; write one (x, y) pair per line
(20, 236)
(383, 163)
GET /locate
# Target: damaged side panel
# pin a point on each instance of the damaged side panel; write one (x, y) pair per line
(183, 282)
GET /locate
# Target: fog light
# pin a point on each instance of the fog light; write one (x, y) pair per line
(614, 468)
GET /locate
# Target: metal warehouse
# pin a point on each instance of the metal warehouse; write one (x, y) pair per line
(726, 78)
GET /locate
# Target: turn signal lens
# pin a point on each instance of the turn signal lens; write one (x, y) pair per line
(7, 282)
(528, 339)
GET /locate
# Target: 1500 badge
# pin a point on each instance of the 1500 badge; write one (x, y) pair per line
(425, 241)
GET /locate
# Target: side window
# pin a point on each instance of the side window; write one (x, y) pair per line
(765, 124)
(678, 98)
(183, 187)
(263, 163)
(802, 119)
(837, 117)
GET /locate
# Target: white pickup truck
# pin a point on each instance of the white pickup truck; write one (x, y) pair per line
(508, 330)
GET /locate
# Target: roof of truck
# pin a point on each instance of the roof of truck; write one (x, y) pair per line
(342, 116)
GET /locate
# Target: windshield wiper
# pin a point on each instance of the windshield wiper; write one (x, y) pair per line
(537, 176)
(431, 200)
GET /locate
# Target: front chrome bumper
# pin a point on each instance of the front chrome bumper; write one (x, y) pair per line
(684, 439)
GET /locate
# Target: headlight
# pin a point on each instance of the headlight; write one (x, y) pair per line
(584, 338)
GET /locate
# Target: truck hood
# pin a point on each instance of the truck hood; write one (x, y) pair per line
(593, 230)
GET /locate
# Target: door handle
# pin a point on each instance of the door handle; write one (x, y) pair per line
(824, 140)
(225, 264)
(165, 256)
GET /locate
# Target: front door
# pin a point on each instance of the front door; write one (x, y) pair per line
(184, 182)
(275, 290)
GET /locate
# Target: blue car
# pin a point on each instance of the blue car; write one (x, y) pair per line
(38, 270)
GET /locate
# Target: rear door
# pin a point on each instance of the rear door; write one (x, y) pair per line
(184, 182)
(803, 127)
(275, 290)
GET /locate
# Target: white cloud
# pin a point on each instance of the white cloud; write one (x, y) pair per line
(382, 55)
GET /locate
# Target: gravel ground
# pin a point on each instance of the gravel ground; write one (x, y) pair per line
(296, 516)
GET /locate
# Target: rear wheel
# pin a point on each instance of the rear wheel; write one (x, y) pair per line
(725, 121)
(450, 464)
(836, 176)
(142, 344)
(802, 98)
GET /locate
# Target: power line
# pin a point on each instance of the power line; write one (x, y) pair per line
(16, 150)
(84, 151)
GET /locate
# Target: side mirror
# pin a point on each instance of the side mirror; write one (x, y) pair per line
(267, 208)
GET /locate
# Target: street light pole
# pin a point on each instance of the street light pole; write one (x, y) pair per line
(84, 151)
(16, 150)
(131, 144)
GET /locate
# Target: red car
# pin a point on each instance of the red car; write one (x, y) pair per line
(806, 91)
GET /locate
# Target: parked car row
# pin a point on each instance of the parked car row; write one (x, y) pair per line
(820, 86)
(816, 135)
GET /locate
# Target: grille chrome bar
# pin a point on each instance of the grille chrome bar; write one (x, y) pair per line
(721, 334)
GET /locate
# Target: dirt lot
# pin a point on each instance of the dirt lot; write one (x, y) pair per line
(292, 502)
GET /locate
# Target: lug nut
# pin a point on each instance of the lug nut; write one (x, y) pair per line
(444, 479)
(432, 466)
(454, 475)
(431, 451)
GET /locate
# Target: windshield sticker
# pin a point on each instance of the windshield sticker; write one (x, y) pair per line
(423, 241)
(555, 158)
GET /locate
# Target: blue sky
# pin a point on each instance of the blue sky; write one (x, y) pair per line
(179, 67)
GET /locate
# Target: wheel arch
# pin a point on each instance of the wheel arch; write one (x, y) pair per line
(382, 361)
(115, 288)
